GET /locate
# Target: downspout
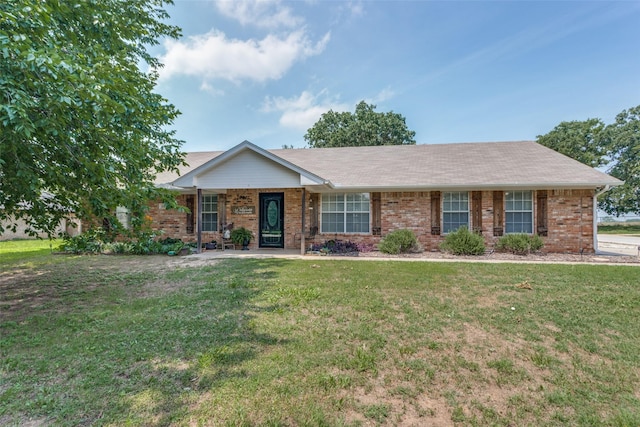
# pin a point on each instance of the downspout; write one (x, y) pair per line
(595, 215)
(304, 208)
(199, 219)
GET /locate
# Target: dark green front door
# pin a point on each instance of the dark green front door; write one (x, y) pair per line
(271, 220)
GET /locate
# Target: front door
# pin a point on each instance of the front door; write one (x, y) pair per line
(271, 220)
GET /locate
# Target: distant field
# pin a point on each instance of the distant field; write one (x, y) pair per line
(619, 227)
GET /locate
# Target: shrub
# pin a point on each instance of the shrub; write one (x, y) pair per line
(364, 247)
(89, 242)
(119, 247)
(398, 241)
(336, 247)
(240, 234)
(170, 244)
(520, 243)
(463, 242)
(146, 244)
(93, 242)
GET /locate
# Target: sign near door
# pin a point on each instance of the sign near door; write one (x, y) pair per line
(243, 210)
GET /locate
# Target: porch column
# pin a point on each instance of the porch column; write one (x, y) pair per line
(199, 219)
(304, 209)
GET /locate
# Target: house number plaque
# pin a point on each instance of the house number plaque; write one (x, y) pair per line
(243, 210)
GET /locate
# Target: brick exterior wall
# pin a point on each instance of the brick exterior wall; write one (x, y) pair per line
(570, 221)
(172, 223)
(570, 218)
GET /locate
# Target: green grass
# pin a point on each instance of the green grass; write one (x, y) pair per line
(110, 341)
(619, 228)
(14, 251)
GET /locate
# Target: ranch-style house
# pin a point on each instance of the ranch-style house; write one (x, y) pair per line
(289, 198)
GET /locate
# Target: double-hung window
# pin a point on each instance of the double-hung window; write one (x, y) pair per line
(519, 212)
(455, 210)
(209, 212)
(345, 213)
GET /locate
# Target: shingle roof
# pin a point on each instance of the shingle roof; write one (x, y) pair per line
(193, 160)
(437, 166)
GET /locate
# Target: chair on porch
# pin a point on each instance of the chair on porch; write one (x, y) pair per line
(226, 237)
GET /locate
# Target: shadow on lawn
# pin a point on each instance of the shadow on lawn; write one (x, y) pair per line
(125, 356)
(210, 340)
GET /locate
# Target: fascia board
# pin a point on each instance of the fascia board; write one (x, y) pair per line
(486, 187)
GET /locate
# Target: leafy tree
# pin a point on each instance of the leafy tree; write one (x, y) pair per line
(365, 127)
(623, 140)
(81, 129)
(616, 146)
(580, 140)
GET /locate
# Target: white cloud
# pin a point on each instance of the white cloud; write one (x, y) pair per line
(261, 13)
(206, 87)
(303, 111)
(356, 8)
(383, 95)
(213, 55)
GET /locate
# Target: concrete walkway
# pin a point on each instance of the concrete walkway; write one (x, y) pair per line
(610, 245)
(619, 244)
(262, 253)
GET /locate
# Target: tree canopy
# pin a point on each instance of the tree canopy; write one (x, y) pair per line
(615, 146)
(623, 140)
(81, 128)
(364, 127)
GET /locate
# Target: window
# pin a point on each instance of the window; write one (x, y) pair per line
(455, 211)
(519, 212)
(345, 213)
(124, 217)
(209, 212)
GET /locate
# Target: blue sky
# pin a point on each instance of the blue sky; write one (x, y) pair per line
(458, 71)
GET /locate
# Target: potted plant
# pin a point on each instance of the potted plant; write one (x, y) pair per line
(241, 236)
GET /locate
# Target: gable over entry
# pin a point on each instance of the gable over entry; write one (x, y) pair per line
(248, 167)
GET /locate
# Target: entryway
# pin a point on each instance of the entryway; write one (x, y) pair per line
(271, 218)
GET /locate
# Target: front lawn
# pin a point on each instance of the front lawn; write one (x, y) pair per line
(157, 340)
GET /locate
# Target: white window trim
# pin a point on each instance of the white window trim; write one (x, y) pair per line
(442, 211)
(202, 212)
(532, 212)
(345, 212)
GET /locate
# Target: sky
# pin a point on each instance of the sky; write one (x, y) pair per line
(457, 71)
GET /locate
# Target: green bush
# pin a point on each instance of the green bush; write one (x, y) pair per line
(89, 242)
(121, 248)
(520, 243)
(399, 241)
(94, 242)
(463, 242)
(146, 244)
(240, 234)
